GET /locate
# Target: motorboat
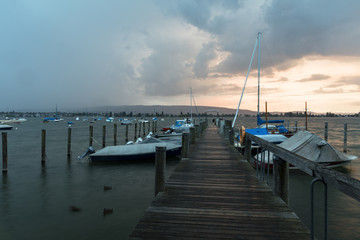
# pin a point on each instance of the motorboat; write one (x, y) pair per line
(5, 127)
(311, 147)
(145, 149)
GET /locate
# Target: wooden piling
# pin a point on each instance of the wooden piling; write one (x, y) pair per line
(326, 131)
(296, 126)
(160, 164)
(149, 127)
(4, 152)
(104, 136)
(192, 136)
(135, 132)
(69, 143)
(115, 134)
(91, 133)
(127, 133)
(231, 136)
(281, 179)
(185, 145)
(144, 129)
(139, 129)
(345, 137)
(43, 145)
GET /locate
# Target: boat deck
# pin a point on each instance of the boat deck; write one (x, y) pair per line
(214, 194)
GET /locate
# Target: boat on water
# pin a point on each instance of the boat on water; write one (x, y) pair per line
(126, 121)
(12, 120)
(5, 127)
(311, 147)
(52, 119)
(271, 130)
(145, 149)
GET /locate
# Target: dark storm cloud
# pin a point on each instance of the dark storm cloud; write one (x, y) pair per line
(314, 78)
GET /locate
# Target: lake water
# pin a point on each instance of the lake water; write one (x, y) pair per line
(36, 199)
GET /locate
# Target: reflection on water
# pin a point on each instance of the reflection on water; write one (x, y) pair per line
(65, 199)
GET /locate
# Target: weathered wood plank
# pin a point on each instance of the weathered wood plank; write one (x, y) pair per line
(214, 194)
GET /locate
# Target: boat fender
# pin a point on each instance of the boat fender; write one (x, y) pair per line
(242, 134)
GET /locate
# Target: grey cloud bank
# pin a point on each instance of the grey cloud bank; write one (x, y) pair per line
(95, 53)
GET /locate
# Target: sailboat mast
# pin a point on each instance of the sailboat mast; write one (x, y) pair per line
(258, 106)
(191, 104)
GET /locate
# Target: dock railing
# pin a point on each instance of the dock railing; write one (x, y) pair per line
(283, 158)
(344, 183)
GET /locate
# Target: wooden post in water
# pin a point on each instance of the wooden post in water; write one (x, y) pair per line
(104, 136)
(281, 179)
(247, 152)
(4, 152)
(149, 127)
(231, 137)
(326, 131)
(139, 129)
(192, 136)
(144, 128)
(135, 132)
(69, 143)
(91, 132)
(160, 164)
(296, 126)
(153, 126)
(127, 133)
(345, 137)
(185, 145)
(43, 145)
(115, 134)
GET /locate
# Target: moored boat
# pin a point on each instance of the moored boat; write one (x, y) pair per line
(5, 127)
(311, 147)
(137, 151)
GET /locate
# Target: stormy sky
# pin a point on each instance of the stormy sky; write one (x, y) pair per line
(82, 53)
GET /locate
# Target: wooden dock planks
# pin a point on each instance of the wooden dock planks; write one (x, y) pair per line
(214, 194)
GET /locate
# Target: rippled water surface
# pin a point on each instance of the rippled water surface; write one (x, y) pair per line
(65, 199)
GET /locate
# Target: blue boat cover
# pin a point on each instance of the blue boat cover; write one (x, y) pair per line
(261, 121)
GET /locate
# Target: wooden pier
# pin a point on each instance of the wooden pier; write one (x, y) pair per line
(215, 194)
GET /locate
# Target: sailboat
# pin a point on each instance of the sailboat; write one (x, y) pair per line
(272, 133)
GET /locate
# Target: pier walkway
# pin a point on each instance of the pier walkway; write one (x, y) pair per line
(214, 194)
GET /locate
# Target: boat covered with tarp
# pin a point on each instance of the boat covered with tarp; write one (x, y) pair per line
(313, 148)
(145, 149)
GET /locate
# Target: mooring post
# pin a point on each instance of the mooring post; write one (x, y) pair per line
(135, 132)
(231, 136)
(247, 150)
(43, 145)
(185, 145)
(326, 131)
(104, 136)
(139, 129)
(127, 133)
(4, 152)
(91, 132)
(69, 143)
(144, 128)
(296, 126)
(345, 137)
(281, 179)
(148, 126)
(160, 164)
(192, 136)
(115, 134)
(153, 126)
